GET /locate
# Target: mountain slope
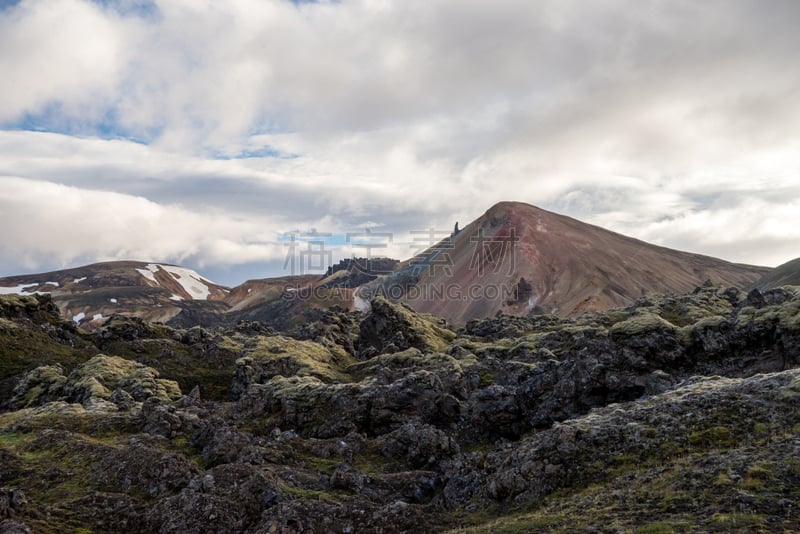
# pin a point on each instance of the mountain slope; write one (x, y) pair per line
(154, 291)
(160, 292)
(518, 258)
(787, 274)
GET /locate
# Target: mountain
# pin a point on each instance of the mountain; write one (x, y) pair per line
(179, 296)
(88, 294)
(517, 258)
(787, 274)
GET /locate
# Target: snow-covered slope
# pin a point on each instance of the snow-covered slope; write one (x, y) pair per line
(88, 294)
(197, 287)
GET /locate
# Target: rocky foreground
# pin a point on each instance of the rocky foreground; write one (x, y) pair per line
(680, 413)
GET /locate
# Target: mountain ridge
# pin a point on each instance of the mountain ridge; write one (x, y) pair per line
(516, 258)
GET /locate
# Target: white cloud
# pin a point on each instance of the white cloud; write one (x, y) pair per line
(67, 52)
(57, 223)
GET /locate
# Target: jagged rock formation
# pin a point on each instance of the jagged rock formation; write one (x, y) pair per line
(353, 272)
(678, 412)
(391, 328)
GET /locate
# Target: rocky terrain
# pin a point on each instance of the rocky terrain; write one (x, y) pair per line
(677, 413)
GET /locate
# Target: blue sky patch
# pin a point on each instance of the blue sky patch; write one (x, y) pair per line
(52, 119)
(263, 152)
(8, 4)
(139, 8)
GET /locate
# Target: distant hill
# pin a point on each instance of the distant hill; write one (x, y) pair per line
(89, 294)
(787, 274)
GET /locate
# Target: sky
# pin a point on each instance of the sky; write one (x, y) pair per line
(221, 135)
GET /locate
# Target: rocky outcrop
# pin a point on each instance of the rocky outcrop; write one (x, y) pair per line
(418, 445)
(99, 380)
(267, 357)
(42, 384)
(393, 327)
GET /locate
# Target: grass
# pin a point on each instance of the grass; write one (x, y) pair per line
(714, 437)
(13, 440)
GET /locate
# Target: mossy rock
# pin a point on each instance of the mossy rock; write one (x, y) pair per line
(395, 327)
(270, 356)
(41, 385)
(413, 359)
(101, 375)
(641, 324)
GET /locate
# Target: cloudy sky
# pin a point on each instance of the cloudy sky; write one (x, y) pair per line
(199, 132)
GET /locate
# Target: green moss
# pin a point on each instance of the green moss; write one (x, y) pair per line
(757, 476)
(279, 355)
(640, 324)
(487, 379)
(658, 527)
(526, 525)
(426, 332)
(24, 349)
(100, 376)
(319, 464)
(723, 480)
(715, 437)
(735, 521)
(13, 439)
(412, 358)
(762, 471)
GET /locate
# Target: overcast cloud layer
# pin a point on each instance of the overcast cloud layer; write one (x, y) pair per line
(198, 132)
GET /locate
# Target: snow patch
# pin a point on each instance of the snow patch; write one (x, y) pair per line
(54, 284)
(79, 280)
(78, 318)
(249, 289)
(148, 273)
(113, 301)
(192, 282)
(97, 316)
(17, 290)
(176, 298)
(532, 301)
